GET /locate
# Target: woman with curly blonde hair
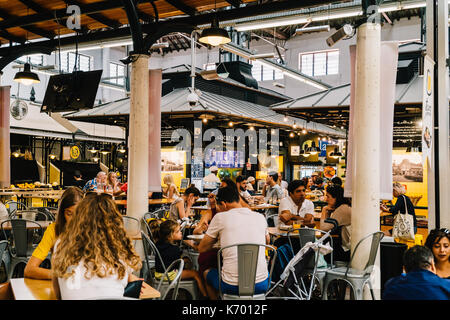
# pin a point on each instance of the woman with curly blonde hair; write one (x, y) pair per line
(95, 258)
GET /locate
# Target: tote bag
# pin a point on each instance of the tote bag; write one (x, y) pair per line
(403, 225)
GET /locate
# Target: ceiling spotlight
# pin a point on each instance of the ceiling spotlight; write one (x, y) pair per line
(16, 153)
(26, 77)
(95, 159)
(272, 131)
(285, 119)
(324, 139)
(304, 131)
(346, 31)
(52, 156)
(205, 120)
(230, 123)
(291, 135)
(342, 127)
(252, 128)
(294, 126)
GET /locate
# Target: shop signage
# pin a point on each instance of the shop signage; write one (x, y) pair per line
(427, 108)
(74, 152)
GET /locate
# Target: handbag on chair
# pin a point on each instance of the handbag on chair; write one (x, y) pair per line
(403, 225)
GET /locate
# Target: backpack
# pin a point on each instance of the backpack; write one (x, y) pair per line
(284, 255)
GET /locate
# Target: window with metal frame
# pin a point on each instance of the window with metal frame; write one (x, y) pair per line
(116, 73)
(319, 63)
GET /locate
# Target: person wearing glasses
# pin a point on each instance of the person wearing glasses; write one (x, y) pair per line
(438, 241)
(420, 281)
(67, 205)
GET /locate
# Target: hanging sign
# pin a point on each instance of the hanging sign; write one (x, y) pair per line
(427, 108)
(74, 152)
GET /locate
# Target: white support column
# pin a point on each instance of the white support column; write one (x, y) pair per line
(366, 143)
(430, 165)
(444, 123)
(5, 152)
(443, 163)
(137, 196)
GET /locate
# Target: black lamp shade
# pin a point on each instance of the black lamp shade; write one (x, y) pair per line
(26, 77)
(214, 36)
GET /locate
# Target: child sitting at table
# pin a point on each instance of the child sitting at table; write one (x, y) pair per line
(169, 232)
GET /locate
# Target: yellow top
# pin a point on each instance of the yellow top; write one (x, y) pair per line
(46, 244)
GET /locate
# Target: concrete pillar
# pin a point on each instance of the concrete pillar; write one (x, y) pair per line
(137, 196)
(154, 131)
(5, 152)
(366, 143)
(439, 168)
(443, 120)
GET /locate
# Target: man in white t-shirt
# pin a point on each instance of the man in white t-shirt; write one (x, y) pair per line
(296, 207)
(232, 225)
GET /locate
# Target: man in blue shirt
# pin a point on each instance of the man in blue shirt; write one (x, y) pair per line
(420, 281)
(93, 184)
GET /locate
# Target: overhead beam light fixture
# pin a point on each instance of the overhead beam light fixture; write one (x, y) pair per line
(339, 13)
(312, 29)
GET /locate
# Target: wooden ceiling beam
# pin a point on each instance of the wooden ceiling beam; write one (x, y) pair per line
(11, 37)
(96, 7)
(96, 16)
(39, 31)
(234, 3)
(180, 5)
(236, 13)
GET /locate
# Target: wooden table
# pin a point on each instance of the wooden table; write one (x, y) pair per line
(275, 231)
(30, 225)
(123, 202)
(31, 289)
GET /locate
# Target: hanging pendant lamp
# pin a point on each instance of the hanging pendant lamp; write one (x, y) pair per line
(26, 77)
(215, 35)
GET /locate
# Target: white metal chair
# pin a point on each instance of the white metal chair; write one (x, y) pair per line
(248, 254)
(356, 278)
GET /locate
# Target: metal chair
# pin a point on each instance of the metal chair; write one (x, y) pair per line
(356, 278)
(3, 246)
(150, 251)
(44, 211)
(13, 206)
(274, 218)
(303, 236)
(247, 254)
(132, 225)
(21, 242)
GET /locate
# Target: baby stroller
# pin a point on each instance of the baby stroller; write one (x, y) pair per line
(291, 283)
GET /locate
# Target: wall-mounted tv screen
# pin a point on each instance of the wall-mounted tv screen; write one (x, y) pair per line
(71, 91)
(224, 159)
